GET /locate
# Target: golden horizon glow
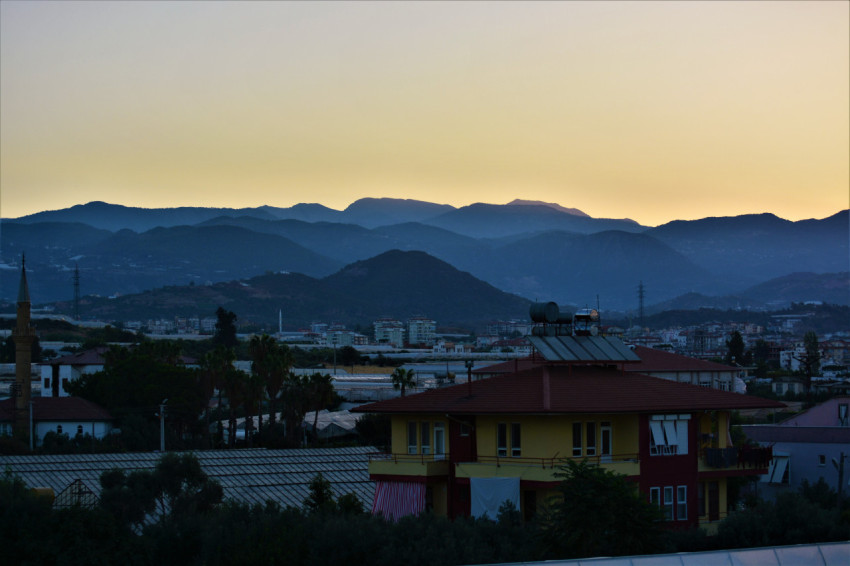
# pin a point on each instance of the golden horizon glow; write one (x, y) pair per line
(653, 111)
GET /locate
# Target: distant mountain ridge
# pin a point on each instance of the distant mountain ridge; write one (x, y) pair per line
(536, 250)
(397, 284)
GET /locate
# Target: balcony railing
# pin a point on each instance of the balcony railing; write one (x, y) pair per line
(738, 456)
(544, 463)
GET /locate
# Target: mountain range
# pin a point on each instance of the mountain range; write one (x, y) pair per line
(534, 250)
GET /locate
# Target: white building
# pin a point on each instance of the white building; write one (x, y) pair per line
(421, 331)
(389, 331)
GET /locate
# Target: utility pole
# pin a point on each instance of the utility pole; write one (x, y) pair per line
(839, 465)
(161, 416)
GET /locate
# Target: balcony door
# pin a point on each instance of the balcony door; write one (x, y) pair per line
(462, 446)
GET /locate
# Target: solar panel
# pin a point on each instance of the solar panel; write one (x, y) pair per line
(583, 349)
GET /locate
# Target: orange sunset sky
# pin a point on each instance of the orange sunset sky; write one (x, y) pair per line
(647, 110)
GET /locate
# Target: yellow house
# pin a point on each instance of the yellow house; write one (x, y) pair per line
(463, 450)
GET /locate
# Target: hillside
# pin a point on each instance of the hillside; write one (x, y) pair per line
(397, 284)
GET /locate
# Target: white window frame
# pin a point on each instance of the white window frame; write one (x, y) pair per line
(412, 434)
(590, 435)
(668, 503)
(425, 435)
(682, 503)
(502, 439)
(578, 432)
(439, 440)
(516, 440)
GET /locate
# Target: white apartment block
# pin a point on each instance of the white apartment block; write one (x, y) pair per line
(421, 330)
(389, 331)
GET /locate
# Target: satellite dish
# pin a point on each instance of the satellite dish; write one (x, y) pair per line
(594, 330)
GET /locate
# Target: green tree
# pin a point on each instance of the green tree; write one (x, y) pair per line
(402, 379)
(348, 356)
(321, 496)
(321, 391)
(235, 388)
(182, 487)
(135, 380)
(214, 367)
(735, 349)
(225, 329)
(598, 513)
(296, 398)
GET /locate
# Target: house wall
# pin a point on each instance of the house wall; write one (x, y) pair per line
(97, 429)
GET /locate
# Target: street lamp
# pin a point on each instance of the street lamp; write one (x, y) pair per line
(161, 416)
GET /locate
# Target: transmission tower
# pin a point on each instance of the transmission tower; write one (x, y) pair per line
(77, 291)
(641, 295)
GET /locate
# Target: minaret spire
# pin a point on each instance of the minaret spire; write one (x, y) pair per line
(23, 335)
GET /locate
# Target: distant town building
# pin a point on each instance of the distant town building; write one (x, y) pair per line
(421, 331)
(389, 331)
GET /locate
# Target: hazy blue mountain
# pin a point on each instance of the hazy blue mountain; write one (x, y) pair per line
(129, 262)
(833, 288)
(575, 268)
(374, 212)
(499, 220)
(116, 217)
(752, 248)
(398, 284)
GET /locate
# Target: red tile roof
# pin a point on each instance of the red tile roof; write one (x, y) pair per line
(583, 390)
(59, 409)
(659, 360)
(651, 360)
(91, 357)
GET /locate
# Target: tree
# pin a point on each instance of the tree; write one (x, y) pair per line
(348, 356)
(735, 349)
(225, 329)
(135, 380)
(402, 379)
(598, 513)
(295, 395)
(810, 361)
(214, 367)
(321, 496)
(235, 386)
(321, 391)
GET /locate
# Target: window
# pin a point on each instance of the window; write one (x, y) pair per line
(79, 429)
(682, 503)
(821, 459)
(502, 439)
(58, 429)
(411, 438)
(605, 432)
(655, 495)
(701, 498)
(668, 503)
(464, 429)
(843, 416)
(516, 440)
(668, 434)
(576, 439)
(46, 383)
(778, 471)
(590, 450)
(439, 441)
(425, 437)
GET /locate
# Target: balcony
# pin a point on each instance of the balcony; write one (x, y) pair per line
(752, 459)
(541, 469)
(381, 463)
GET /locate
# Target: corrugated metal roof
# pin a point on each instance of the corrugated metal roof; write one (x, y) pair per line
(583, 349)
(247, 476)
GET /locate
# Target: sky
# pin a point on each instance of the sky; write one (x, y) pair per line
(652, 111)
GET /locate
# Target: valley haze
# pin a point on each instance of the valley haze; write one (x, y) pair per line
(403, 257)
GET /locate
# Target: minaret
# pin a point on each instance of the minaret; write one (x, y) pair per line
(23, 336)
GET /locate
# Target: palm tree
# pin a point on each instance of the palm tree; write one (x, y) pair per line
(235, 382)
(214, 366)
(253, 398)
(321, 393)
(402, 379)
(263, 349)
